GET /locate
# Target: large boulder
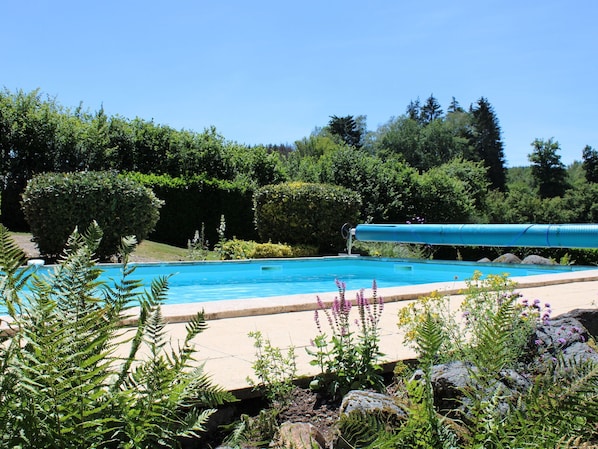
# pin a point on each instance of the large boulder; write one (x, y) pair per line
(534, 259)
(507, 258)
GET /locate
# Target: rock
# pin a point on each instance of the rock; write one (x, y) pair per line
(484, 260)
(507, 258)
(580, 352)
(563, 335)
(560, 332)
(293, 435)
(448, 382)
(537, 260)
(587, 317)
(515, 381)
(369, 401)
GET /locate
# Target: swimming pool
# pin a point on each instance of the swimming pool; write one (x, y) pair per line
(197, 282)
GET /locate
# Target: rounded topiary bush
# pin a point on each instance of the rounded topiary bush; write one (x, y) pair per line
(55, 203)
(305, 213)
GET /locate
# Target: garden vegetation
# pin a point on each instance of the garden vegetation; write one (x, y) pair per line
(73, 375)
(441, 166)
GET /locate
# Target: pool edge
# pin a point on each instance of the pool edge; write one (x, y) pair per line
(231, 308)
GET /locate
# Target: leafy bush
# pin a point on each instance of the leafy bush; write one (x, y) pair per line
(439, 198)
(248, 249)
(63, 382)
(384, 185)
(275, 371)
(56, 203)
(305, 213)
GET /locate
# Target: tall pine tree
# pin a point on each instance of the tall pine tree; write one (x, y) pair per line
(590, 164)
(487, 143)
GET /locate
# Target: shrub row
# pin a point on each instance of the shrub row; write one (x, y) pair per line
(293, 213)
(191, 202)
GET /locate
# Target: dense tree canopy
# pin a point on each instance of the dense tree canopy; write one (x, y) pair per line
(442, 166)
(549, 173)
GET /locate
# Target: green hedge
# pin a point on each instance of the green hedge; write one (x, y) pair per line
(189, 202)
(305, 213)
(55, 204)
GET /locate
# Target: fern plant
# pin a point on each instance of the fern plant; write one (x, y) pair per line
(63, 382)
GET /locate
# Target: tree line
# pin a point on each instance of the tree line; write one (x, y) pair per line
(428, 163)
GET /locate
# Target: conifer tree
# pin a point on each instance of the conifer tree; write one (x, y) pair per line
(347, 129)
(487, 143)
(590, 164)
(431, 110)
(414, 110)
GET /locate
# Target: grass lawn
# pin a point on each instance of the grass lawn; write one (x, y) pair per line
(147, 251)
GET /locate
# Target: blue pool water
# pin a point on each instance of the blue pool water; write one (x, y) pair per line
(210, 281)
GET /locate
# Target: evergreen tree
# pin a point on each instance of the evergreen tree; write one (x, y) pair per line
(455, 106)
(414, 110)
(347, 129)
(487, 143)
(590, 164)
(431, 110)
(549, 173)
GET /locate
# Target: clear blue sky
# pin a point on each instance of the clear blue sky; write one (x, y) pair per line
(272, 71)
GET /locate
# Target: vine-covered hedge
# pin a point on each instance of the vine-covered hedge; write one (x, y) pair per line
(55, 204)
(305, 213)
(189, 202)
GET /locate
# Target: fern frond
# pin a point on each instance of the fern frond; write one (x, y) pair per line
(578, 392)
(194, 421)
(127, 246)
(196, 326)
(155, 336)
(11, 255)
(13, 276)
(359, 429)
(430, 337)
(238, 434)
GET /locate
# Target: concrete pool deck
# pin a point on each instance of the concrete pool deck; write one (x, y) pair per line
(228, 351)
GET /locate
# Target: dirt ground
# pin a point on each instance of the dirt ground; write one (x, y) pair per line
(24, 241)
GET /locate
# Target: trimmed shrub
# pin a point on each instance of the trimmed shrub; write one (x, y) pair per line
(55, 204)
(189, 202)
(305, 213)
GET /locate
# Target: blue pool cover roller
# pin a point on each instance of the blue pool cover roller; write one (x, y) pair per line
(519, 235)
